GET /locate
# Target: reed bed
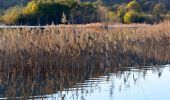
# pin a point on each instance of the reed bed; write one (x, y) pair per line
(43, 61)
(80, 46)
(152, 42)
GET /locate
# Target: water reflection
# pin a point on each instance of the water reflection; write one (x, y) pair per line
(87, 83)
(150, 83)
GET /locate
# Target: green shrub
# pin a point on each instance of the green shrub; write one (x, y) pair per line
(12, 15)
(133, 17)
(134, 5)
(120, 14)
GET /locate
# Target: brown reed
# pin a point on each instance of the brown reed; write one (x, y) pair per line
(63, 46)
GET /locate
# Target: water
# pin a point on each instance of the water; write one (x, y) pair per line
(134, 84)
(125, 83)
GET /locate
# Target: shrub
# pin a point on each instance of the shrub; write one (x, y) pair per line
(159, 11)
(134, 5)
(120, 14)
(86, 12)
(133, 17)
(111, 16)
(149, 19)
(12, 15)
(31, 8)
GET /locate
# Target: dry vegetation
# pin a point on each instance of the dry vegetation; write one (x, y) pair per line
(38, 62)
(55, 46)
(153, 42)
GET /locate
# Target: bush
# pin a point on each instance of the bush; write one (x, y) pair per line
(133, 17)
(111, 16)
(12, 15)
(86, 12)
(48, 12)
(44, 12)
(31, 8)
(134, 5)
(159, 12)
(120, 13)
(149, 19)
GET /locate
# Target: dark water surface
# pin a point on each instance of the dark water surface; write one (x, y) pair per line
(129, 83)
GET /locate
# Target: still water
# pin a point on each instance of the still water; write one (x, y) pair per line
(125, 83)
(147, 83)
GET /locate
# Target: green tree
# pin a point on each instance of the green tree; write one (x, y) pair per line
(31, 8)
(148, 6)
(120, 13)
(133, 16)
(12, 15)
(31, 14)
(84, 12)
(134, 5)
(46, 11)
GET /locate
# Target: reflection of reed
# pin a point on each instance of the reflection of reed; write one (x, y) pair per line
(30, 82)
(36, 62)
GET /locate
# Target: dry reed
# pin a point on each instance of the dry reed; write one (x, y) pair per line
(76, 46)
(37, 62)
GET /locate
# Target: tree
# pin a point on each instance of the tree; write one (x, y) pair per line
(46, 11)
(103, 13)
(84, 13)
(31, 8)
(120, 13)
(148, 6)
(133, 17)
(134, 5)
(31, 14)
(111, 16)
(12, 15)
(159, 11)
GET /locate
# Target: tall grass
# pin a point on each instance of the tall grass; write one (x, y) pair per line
(153, 42)
(59, 46)
(40, 61)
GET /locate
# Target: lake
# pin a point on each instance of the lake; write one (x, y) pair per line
(125, 83)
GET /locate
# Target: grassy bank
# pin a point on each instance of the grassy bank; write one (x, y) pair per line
(61, 47)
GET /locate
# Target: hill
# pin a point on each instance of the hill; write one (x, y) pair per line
(4, 4)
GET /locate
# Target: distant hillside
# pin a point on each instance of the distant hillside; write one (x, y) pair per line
(4, 4)
(142, 2)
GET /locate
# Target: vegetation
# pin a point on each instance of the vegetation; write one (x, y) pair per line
(42, 12)
(12, 15)
(159, 12)
(134, 5)
(53, 45)
(27, 82)
(133, 17)
(36, 61)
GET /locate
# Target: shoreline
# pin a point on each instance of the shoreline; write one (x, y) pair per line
(83, 26)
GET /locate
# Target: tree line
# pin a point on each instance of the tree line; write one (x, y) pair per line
(43, 12)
